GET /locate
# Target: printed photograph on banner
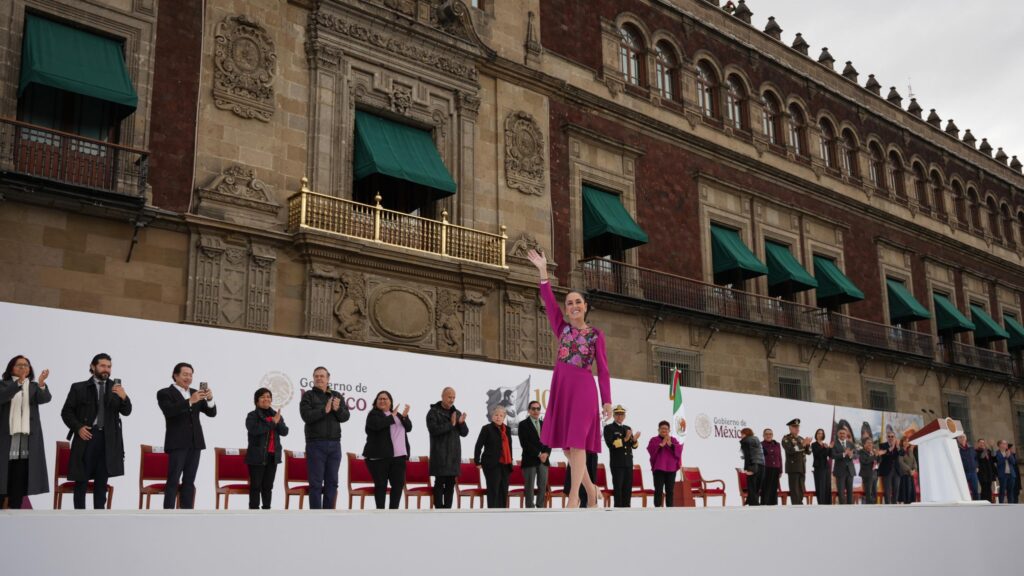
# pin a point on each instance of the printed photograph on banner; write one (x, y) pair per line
(515, 400)
(860, 425)
(904, 425)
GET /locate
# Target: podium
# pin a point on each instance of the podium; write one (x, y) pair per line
(941, 471)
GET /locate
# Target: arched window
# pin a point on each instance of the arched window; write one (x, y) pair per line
(920, 186)
(1020, 225)
(960, 206)
(974, 208)
(848, 155)
(665, 70)
(828, 143)
(876, 170)
(993, 218)
(1004, 211)
(938, 193)
(707, 90)
(797, 130)
(735, 102)
(896, 176)
(631, 54)
(772, 119)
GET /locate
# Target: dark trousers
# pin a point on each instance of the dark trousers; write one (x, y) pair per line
(770, 487)
(17, 482)
(444, 491)
(754, 484)
(844, 489)
(986, 489)
(972, 484)
(907, 489)
(622, 486)
(95, 460)
(664, 488)
(497, 485)
(387, 471)
(323, 458)
(261, 483)
(823, 485)
(869, 481)
(891, 485)
(1007, 489)
(796, 488)
(535, 486)
(182, 465)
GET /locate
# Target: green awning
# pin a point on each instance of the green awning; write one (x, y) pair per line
(834, 288)
(732, 260)
(785, 274)
(1016, 332)
(948, 318)
(605, 218)
(74, 60)
(903, 307)
(399, 151)
(987, 329)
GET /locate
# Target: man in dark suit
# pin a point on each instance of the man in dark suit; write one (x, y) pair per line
(889, 468)
(535, 457)
(621, 442)
(842, 467)
(184, 440)
(92, 413)
(493, 453)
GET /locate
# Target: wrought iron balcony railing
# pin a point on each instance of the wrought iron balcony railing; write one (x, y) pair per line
(309, 210)
(974, 357)
(72, 159)
(863, 332)
(611, 277)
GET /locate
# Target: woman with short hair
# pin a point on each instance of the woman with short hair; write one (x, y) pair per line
(265, 427)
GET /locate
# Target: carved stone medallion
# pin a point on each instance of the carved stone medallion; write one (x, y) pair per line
(244, 68)
(524, 154)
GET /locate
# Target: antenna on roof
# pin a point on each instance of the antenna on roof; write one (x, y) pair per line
(910, 89)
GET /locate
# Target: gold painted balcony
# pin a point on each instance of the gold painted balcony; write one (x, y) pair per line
(308, 210)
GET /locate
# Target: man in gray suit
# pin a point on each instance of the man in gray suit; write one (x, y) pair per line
(842, 467)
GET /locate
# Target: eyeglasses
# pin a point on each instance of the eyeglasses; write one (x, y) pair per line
(535, 409)
(21, 365)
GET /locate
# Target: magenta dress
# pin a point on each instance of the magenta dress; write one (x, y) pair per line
(573, 416)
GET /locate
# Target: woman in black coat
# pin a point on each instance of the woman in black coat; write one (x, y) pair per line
(265, 427)
(493, 453)
(387, 449)
(821, 450)
(22, 455)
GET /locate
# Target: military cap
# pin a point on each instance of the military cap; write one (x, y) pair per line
(618, 409)
(793, 422)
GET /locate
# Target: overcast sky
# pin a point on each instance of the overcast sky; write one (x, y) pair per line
(962, 57)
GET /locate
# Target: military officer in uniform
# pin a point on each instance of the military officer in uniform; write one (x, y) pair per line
(796, 449)
(621, 441)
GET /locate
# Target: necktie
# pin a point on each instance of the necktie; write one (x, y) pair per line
(100, 408)
(536, 424)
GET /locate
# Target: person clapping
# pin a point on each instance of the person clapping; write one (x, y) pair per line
(265, 427)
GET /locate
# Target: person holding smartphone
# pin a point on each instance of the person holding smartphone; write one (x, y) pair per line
(184, 442)
(387, 448)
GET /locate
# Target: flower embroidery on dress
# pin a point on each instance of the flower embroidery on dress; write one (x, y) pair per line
(577, 347)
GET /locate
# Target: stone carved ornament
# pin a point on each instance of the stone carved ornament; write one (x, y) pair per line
(244, 66)
(239, 185)
(524, 154)
(351, 307)
(449, 320)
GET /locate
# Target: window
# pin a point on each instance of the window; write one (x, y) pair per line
(797, 130)
(1018, 412)
(848, 157)
(938, 195)
(993, 218)
(707, 90)
(792, 383)
(879, 396)
(958, 408)
(896, 175)
(735, 100)
(630, 54)
(974, 207)
(877, 168)
(960, 205)
(920, 186)
(665, 70)
(772, 117)
(828, 143)
(668, 360)
(1020, 225)
(1004, 211)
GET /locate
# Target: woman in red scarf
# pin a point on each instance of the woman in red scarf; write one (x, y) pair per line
(493, 454)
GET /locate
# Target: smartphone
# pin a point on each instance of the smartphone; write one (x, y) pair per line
(117, 381)
(204, 386)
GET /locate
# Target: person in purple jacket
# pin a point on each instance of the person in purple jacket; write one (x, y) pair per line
(572, 421)
(772, 468)
(666, 459)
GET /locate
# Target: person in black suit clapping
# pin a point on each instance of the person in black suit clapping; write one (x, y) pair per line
(184, 441)
(535, 457)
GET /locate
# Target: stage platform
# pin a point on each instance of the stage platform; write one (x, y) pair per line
(812, 540)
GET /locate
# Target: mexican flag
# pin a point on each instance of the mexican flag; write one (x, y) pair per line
(678, 410)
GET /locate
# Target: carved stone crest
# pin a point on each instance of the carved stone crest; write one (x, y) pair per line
(244, 68)
(351, 308)
(524, 154)
(401, 99)
(522, 245)
(449, 321)
(237, 195)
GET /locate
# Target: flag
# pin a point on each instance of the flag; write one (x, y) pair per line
(515, 400)
(678, 410)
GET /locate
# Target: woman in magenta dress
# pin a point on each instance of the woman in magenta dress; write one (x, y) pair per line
(573, 420)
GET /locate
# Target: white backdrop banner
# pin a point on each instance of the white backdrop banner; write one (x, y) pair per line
(236, 363)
